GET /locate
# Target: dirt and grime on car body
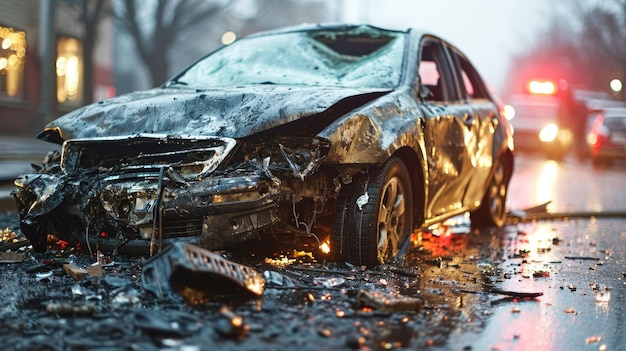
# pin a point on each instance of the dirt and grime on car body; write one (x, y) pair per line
(448, 289)
(315, 134)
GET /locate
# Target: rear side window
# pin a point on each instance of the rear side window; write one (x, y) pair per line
(472, 85)
(433, 74)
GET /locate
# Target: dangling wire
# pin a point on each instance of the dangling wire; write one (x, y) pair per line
(156, 213)
(307, 227)
(87, 239)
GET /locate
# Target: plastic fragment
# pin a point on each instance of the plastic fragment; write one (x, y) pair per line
(231, 325)
(593, 339)
(388, 302)
(273, 278)
(329, 282)
(11, 257)
(76, 272)
(362, 201)
(44, 276)
(198, 275)
(69, 309)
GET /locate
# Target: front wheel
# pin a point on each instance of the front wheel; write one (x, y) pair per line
(374, 216)
(492, 210)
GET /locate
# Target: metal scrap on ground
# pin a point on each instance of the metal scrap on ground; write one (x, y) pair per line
(198, 274)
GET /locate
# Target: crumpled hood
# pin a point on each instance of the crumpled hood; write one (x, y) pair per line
(231, 112)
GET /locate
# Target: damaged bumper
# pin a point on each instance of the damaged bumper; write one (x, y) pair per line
(133, 206)
(213, 213)
(128, 215)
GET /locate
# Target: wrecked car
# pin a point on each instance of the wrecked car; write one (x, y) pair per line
(340, 136)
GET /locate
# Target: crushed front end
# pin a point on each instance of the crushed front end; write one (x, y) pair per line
(135, 194)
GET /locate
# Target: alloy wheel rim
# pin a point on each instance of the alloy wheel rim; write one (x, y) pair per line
(391, 219)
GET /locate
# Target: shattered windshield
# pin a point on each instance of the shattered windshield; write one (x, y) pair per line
(358, 58)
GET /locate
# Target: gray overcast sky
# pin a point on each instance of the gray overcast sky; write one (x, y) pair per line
(487, 31)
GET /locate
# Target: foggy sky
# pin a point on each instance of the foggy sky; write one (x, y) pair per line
(487, 31)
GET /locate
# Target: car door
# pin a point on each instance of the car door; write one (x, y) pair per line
(480, 123)
(445, 131)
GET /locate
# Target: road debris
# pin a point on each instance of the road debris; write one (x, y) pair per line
(275, 279)
(388, 302)
(198, 275)
(76, 272)
(71, 309)
(602, 294)
(329, 282)
(47, 276)
(12, 257)
(589, 258)
(176, 324)
(94, 270)
(230, 324)
(593, 339)
(518, 294)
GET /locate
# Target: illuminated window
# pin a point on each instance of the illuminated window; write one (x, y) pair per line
(12, 59)
(69, 68)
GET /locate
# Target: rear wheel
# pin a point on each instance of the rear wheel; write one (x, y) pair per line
(374, 216)
(492, 210)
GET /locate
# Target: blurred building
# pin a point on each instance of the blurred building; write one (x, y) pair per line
(42, 56)
(42, 68)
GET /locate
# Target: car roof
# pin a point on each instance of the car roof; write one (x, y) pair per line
(340, 26)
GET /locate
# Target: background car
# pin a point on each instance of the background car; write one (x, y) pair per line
(538, 121)
(348, 136)
(551, 118)
(606, 135)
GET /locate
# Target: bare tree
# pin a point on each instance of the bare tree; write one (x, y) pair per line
(553, 56)
(90, 14)
(603, 34)
(171, 19)
(583, 46)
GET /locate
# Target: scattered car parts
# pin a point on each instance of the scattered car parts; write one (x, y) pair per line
(198, 275)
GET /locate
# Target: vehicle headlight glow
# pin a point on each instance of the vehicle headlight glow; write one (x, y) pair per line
(548, 133)
(509, 112)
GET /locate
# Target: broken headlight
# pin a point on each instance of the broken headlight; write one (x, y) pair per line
(191, 158)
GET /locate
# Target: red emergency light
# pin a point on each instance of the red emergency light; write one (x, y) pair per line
(541, 87)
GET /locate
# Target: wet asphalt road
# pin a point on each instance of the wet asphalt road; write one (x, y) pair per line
(578, 264)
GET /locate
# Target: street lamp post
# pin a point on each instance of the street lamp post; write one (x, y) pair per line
(46, 60)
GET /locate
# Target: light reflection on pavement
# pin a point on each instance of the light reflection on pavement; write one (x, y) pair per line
(579, 266)
(571, 185)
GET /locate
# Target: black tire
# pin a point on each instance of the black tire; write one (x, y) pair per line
(366, 232)
(492, 210)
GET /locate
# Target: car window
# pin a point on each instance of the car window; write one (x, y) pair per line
(432, 72)
(471, 84)
(360, 57)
